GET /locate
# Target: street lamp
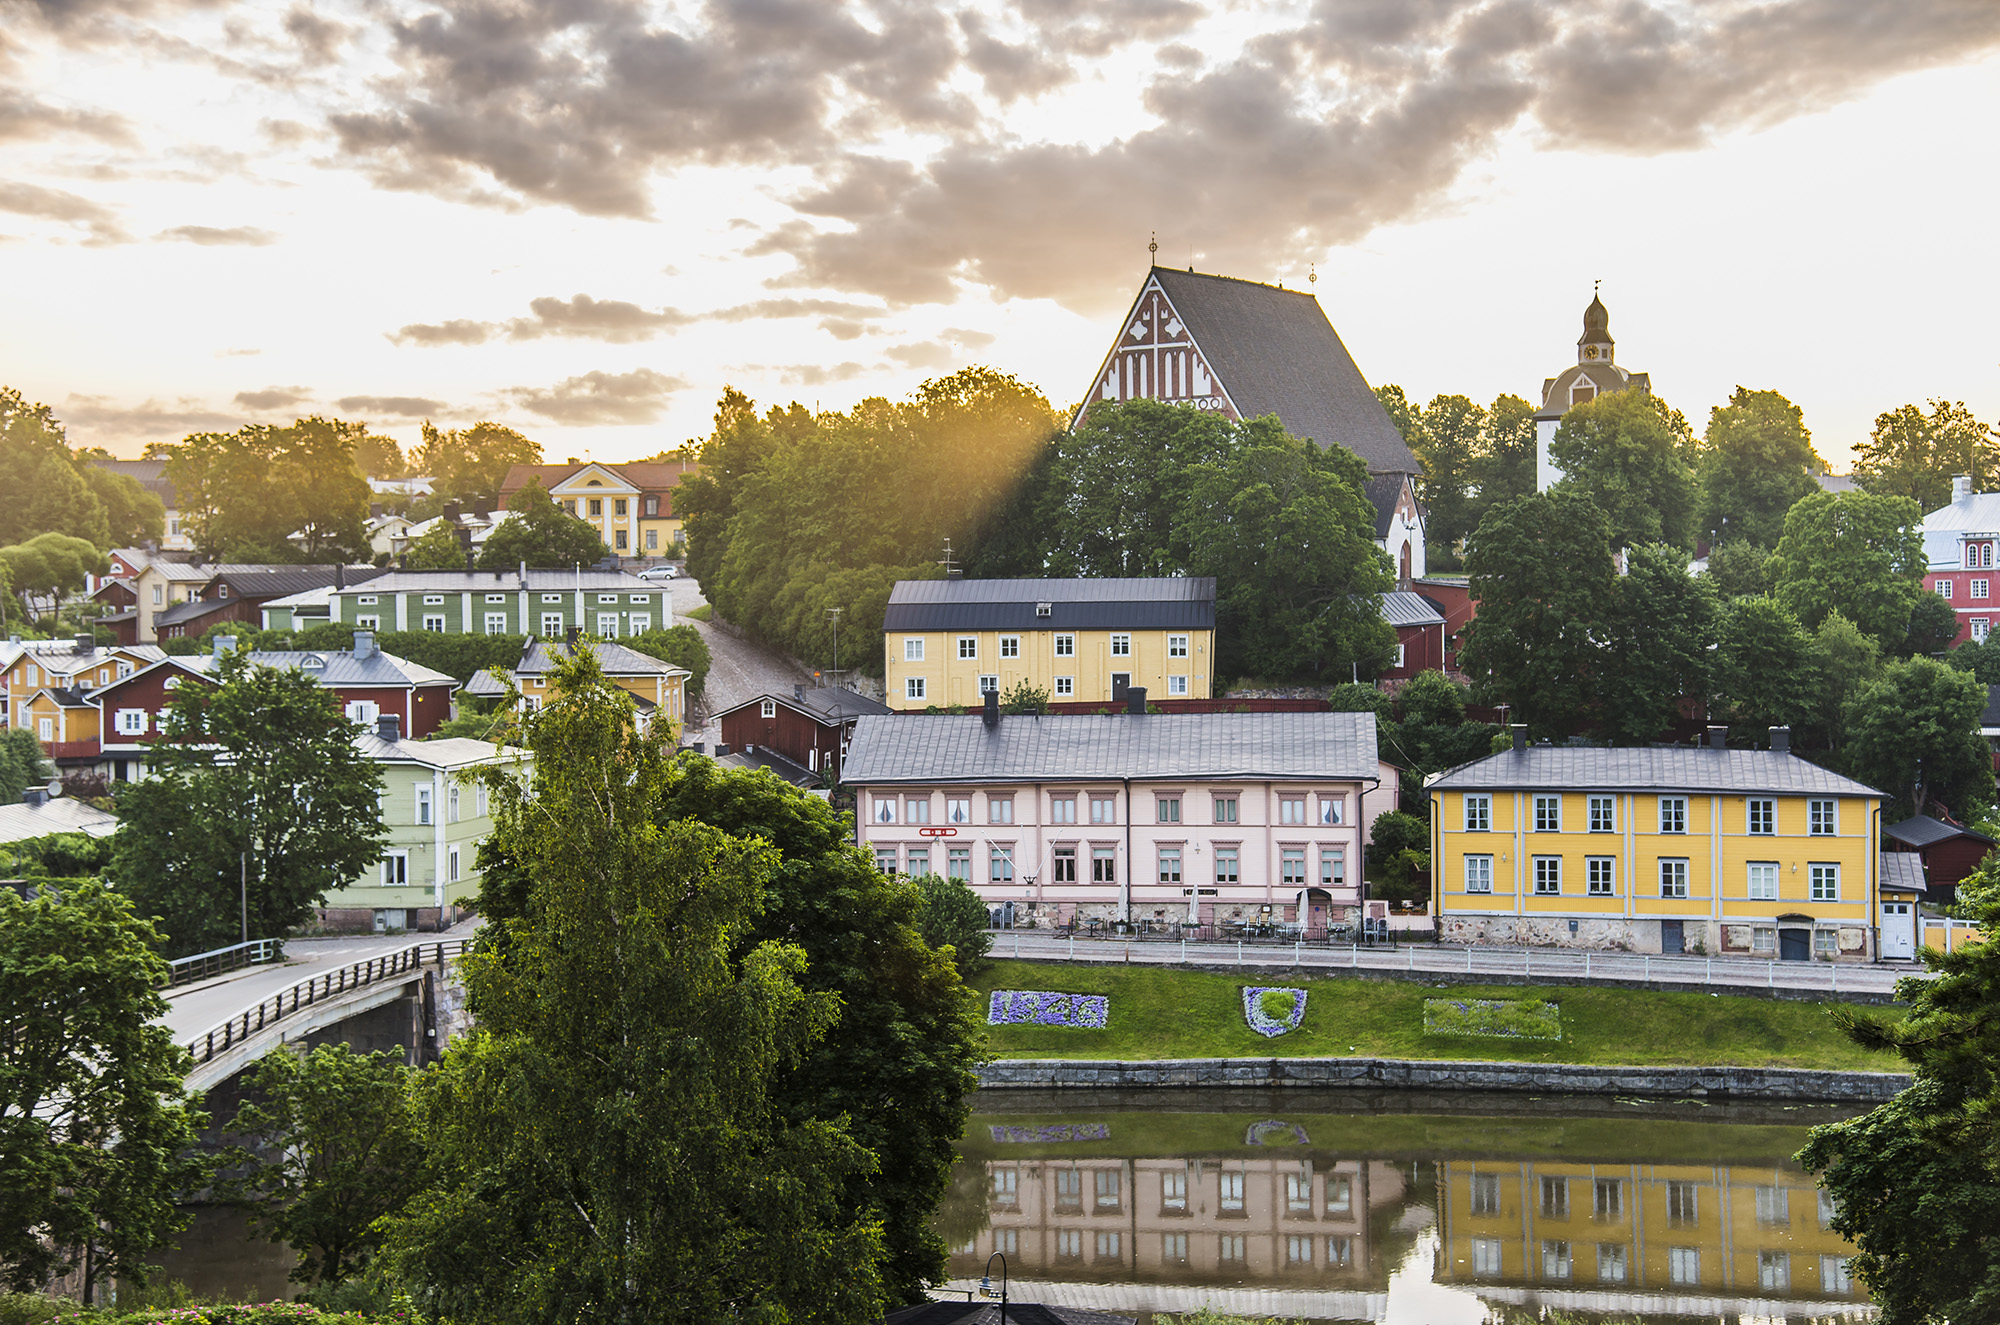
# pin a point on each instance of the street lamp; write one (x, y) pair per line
(986, 1283)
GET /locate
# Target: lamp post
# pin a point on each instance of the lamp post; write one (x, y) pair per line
(986, 1282)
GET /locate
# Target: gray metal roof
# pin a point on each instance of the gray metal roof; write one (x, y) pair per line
(928, 748)
(1274, 352)
(335, 669)
(538, 659)
(1903, 872)
(506, 581)
(831, 705)
(1400, 607)
(1679, 768)
(1162, 603)
(447, 752)
(1921, 830)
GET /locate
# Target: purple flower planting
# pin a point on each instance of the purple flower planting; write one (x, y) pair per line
(1039, 1007)
(1253, 1009)
(1055, 1132)
(1271, 1132)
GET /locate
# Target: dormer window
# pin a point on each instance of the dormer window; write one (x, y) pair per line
(1581, 392)
(314, 663)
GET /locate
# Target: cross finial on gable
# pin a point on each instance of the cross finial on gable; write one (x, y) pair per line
(1154, 249)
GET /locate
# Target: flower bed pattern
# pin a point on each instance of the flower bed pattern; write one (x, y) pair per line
(1253, 1011)
(1040, 1007)
(1509, 1019)
(1271, 1132)
(1055, 1132)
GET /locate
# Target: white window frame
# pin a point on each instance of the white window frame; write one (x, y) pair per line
(433, 600)
(396, 869)
(1121, 645)
(1944, 589)
(496, 623)
(1674, 878)
(1603, 811)
(1177, 646)
(131, 722)
(552, 598)
(1177, 685)
(1065, 687)
(1760, 880)
(1762, 808)
(1824, 879)
(553, 624)
(1479, 875)
(638, 623)
(451, 865)
(1065, 646)
(434, 624)
(1673, 816)
(913, 687)
(1978, 590)
(1548, 814)
(1822, 818)
(913, 648)
(768, 709)
(988, 685)
(1010, 646)
(426, 812)
(1478, 812)
(1600, 876)
(1548, 876)
(496, 598)
(610, 598)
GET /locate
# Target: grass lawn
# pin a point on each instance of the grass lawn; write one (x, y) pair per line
(701, 613)
(1158, 1013)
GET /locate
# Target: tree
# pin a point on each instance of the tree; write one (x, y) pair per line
(1757, 459)
(611, 1143)
(1740, 569)
(470, 464)
(1505, 466)
(1025, 697)
(343, 1154)
(1933, 627)
(1285, 528)
(1846, 659)
(1426, 732)
(22, 763)
(1618, 450)
(378, 457)
(272, 493)
(1766, 672)
(42, 488)
(95, 1125)
(437, 548)
(1914, 734)
(132, 514)
(261, 766)
(1398, 854)
(1453, 429)
(1916, 455)
(322, 492)
(1541, 571)
(51, 565)
(1853, 552)
(1916, 1182)
(540, 533)
(1661, 631)
(680, 645)
(951, 916)
(1119, 482)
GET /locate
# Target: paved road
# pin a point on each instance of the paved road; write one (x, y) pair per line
(1555, 967)
(739, 670)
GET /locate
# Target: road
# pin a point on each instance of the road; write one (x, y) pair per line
(738, 669)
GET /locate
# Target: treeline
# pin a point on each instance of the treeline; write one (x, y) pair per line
(795, 514)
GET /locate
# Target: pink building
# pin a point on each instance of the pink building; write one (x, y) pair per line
(1960, 541)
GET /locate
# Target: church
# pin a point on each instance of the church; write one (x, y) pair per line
(1245, 349)
(1596, 372)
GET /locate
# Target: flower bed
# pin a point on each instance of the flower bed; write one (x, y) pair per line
(1055, 1132)
(1509, 1019)
(1040, 1007)
(1271, 1132)
(1263, 1022)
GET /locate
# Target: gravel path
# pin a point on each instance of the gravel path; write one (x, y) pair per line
(738, 670)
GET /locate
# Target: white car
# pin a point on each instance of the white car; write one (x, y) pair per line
(659, 573)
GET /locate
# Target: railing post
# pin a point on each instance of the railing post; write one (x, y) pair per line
(1771, 975)
(1711, 971)
(1586, 966)
(1833, 970)
(1468, 959)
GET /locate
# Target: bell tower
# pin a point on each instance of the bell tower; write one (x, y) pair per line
(1595, 344)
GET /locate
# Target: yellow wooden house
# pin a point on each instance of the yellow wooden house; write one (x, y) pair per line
(658, 688)
(80, 664)
(631, 506)
(1754, 853)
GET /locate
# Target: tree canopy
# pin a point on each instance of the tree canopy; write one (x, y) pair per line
(1916, 454)
(1757, 459)
(1853, 552)
(1474, 458)
(438, 548)
(272, 494)
(470, 464)
(46, 488)
(50, 566)
(1913, 733)
(1659, 634)
(541, 533)
(1624, 451)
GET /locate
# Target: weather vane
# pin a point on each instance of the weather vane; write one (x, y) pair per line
(1312, 273)
(1154, 248)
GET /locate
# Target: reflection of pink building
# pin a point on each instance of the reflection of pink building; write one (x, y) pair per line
(1200, 1220)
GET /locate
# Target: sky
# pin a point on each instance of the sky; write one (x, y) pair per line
(585, 218)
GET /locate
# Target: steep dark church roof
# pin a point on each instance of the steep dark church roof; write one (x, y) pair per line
(1274, 352)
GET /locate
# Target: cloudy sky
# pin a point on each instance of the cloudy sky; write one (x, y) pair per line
(586, 217)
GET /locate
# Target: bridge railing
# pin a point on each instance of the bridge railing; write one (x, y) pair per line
(218, 961)
(287, 1002)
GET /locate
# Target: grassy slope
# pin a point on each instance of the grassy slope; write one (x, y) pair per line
(1157, 1013)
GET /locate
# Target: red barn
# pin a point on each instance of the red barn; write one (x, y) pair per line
(810, 728)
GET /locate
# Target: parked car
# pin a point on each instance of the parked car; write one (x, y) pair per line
(659, 573)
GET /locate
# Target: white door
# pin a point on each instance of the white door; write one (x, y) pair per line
(1899, 937)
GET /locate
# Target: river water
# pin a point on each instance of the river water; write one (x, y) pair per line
(1411, 1209)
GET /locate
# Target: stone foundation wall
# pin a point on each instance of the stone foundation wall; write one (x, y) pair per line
(1613, 934)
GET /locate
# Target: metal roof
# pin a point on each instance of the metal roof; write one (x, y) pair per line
(1160, 603)
(449, 752)
(504, 581)
(1902, 872)
(1400, 607)
(932, 748)
(1921, 831)
(333, 668)
(831, 705)
(1677, 768)
(64, 814)
(538, 659)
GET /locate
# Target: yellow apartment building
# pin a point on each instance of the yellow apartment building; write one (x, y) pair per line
(657, 687)
(1754, 853)
(945, 642)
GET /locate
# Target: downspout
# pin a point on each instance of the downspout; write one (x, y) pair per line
(1125, 879)
(440, 810)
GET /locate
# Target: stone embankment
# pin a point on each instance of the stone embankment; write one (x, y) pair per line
(1704, 1083)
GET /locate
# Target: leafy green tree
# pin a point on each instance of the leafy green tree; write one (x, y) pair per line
(260, 766)
(96, 1128)
(1661, 632)
(1853, 552)
(330, 1149)
(1289, 535)
(437, 548)
(950, 915)
(680, 645)
(1619, 451)
(1756, 460)
(42, 486)
(1916, 1182)
(1739, 569)
(1845, 659)
(1982, 660)
(51, 565)
(132, 514)
(56, 856)
(540, 533)
(1025, 698)
(1541, 571)
(1428, 733)
(1454, 429)
(1398, 854)
(1917, 727)
(1360, 697)
(252, 492)
(22, 763)
(1505, 466)
(1933, 627)
(1766, 672)
(377, 456)
(1915, 454)
(1120, 481)
(613, 1142)
(471, 464)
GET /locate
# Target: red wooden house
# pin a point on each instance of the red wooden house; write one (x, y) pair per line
(810, 728)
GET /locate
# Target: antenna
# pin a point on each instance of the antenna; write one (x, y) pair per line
(834, 671)
(1312, 274)
(948, 564)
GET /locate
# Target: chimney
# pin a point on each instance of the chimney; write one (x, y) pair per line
(1135, 700)
(388, 726)
(571, 635)
(720, 750)
(524, 573)
(1961, 487)
(86, 642)
(224, 644)
(339, 576)
(700, 747)
(364, 645)
(1718, 738)
(470, 557)
(954, 573)
(451, 512)
(1781, 740)
(374, 510)
(799, 693)
(1519, 731)
(990, 714)
(35, 797)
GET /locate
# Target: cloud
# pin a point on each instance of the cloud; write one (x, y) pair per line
(969, 337)
(458, 331)
(98, 221)
(921, 354)
(209, 236)
(408, 407)
(92, 417)
(619, 322)
(274, 397)
(23, 118)
(319, 39)
(601, 398)
(611, 320)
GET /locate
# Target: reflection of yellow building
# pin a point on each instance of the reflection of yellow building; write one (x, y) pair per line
(1694, 1231)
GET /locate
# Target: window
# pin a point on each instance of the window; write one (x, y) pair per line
(1292, 869)
(1225, 865)
(1339, 1251)
(1065, 646)
(958, 864)
(652, 538)
(1825, 883)
(618, 506)
(1479, 874)
(496, 623)
(1548, 876)
(1978, 589)
(1170, 865)
(1548, 814)
(1065, 686)
(1173, 1246)
(1555, 1260)
(1103, 865)
(1673, 878)
(569, 504)
(1332, 868)
(988, 685)
(1007, 1187)
(1121, 646)
(1763, 817)
(913, 687)
(365, 600)
(451, 865)
(1673, 814)
(999, 809)
(640, 622)
(1486, 1256)
(1682, 1202)
(434, 624)
(1177, 686)
(479, 799)
(607, 625)
(1231, 1194)
(768, 709)
(1598, 876)
(642, 598)
(1478, 814)
(1107, 1243)
(1229, 1246)
(1332, 809)
(1000, 866)
(1103, 810)
(1602, 817)
(1299, 1194)
(396, 869)
(597, 505)
(1177, 646)
(1610, 1263)
(1298, 1250)
(1825, 943)
(1762, 877)
(917, 810)
(1062, 809)
(433, 600)
(885, 859)
(1063, 869)
(131, 722)
(368, 622)
(552, 624)
(1822, 819)
(1555, 1198)
(958, 809)
(1069, 1188)
(1774, 1205)
(552, 598)
(423, 805)
(885, 810)
(1764, 939)
(1981, 628)
(913, 649)
(1607, 1198)
(1225, 809)
(1485, 1193)
(1010, 646)
(1106, 1182)
(1684, 1265)
(1291, 809)
(619, 540)
(1944, 588)
(451, 804)
(1173, 1194)
(968, 646)
(1167, 809)
(159, 596)
(918, 860)
(1833, 1275)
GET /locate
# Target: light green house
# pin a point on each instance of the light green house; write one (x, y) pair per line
(547, 603)
(436, 820)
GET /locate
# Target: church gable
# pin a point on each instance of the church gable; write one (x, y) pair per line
(1157, 358)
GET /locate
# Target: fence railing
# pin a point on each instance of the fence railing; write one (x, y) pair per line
(320, 988)
(220, 961)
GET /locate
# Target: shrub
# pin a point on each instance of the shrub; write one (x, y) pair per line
(1277, 1004)
(948, 912)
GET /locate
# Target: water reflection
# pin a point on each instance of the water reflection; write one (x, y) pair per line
(1399, 1207)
